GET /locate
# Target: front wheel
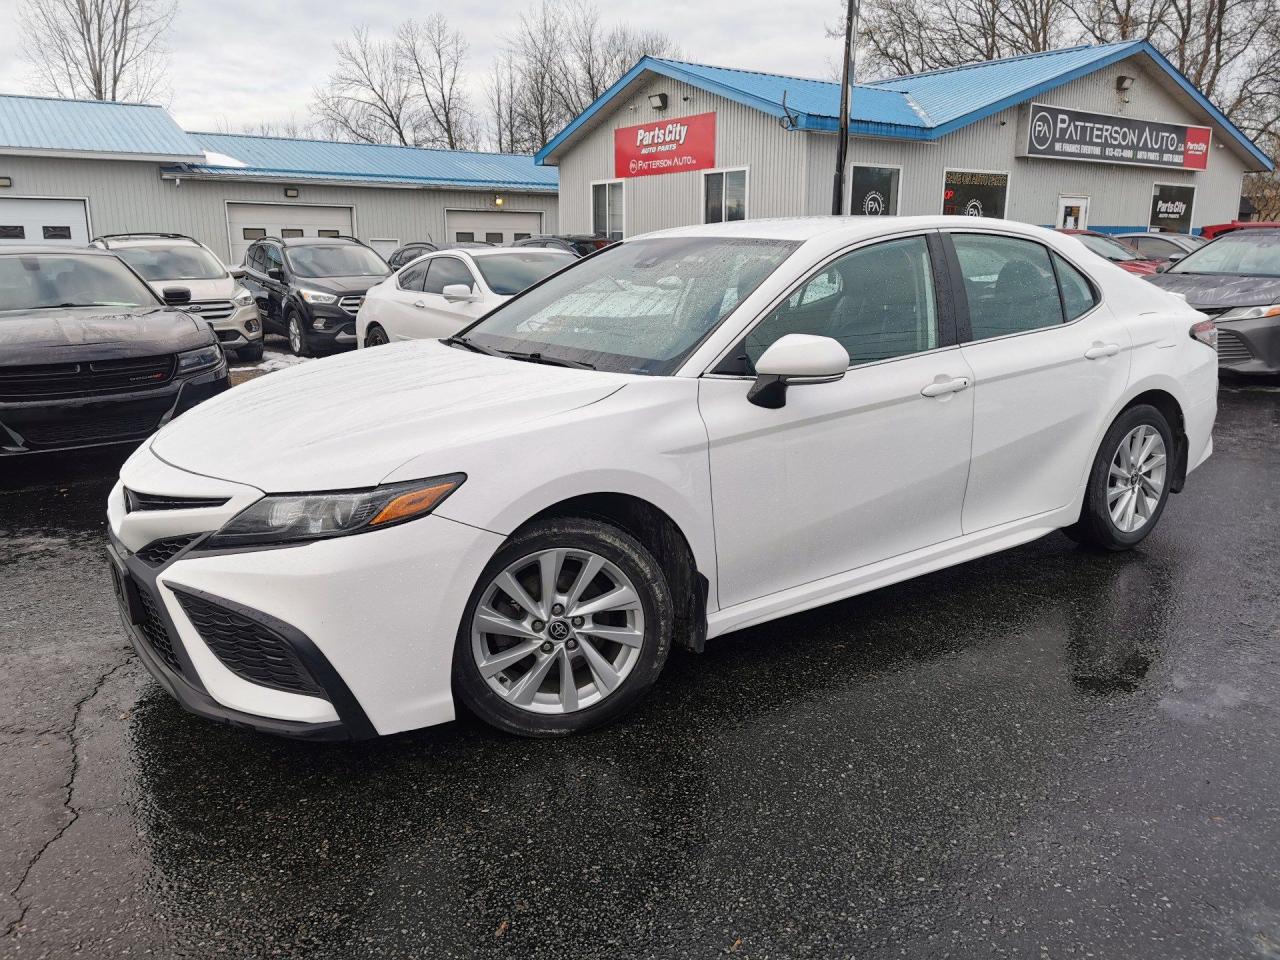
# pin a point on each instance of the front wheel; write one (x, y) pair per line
(376, 337)
(1129, 482)
(297, 335)
(567, 628)
(250, 354)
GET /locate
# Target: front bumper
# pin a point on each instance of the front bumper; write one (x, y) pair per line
(337, 330)
(50, 424)
(242, 329)
(371, 618)
(1249, 346)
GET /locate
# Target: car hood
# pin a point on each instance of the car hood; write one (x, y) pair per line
(350, 420)
(219, 289)
(338, 284)
(1220, 290)
(73, 333)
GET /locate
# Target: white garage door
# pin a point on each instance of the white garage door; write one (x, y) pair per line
(36, 220)
(249, 221)
(490, 225)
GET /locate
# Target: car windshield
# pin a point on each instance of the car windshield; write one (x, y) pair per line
(173, 263)
(43, 281)
(336, 260)
(509, 273)
(1246, 253)
(1106, 247)
(638, 307)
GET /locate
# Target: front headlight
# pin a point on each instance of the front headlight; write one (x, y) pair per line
(242, 297)
(192, 360)
(298, 518)
(1251, 313)
(315, 296)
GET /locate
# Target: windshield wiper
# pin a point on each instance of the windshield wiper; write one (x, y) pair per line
(466, 344)
(549, 361)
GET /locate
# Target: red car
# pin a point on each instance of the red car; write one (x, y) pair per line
(1116, 252)
(1217, 229)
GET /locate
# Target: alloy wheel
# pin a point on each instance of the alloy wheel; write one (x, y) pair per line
(557, 631)
(1135, 482)
(295, 334)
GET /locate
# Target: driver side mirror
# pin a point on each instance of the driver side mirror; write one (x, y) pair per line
(237, 273)
(797, 358)
(458, 293)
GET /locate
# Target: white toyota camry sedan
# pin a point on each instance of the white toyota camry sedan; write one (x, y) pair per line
(439, 294)
(690, 432)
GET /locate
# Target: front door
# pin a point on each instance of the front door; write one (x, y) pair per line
(1073, 213)
(1048, 361)
(852, 472)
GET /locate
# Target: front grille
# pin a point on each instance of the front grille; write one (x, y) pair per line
(212, 309)
(34, 381)
(154, 630)
(248, 648)
(133, 500)
(351, 303)
(1232, 349)
(159, 552)
(89, 430)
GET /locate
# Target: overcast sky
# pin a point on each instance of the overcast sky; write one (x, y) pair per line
(236, 62)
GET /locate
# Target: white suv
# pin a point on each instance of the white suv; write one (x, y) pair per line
(171, 260)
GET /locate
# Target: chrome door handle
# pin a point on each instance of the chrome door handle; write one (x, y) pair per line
(940, 387)
(420, 304)
(1100, 350)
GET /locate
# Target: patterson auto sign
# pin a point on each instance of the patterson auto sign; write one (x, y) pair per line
(666, 146)
(1103, 138)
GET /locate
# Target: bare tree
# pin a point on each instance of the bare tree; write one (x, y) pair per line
(289, 127)
(368, 97)
(503, 95)
(433, 54)
(97, 49)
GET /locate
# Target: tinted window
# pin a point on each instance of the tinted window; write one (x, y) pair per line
(30, 282)
(639, 307)
(1107, 248)
(271, 259)
(509, 273)
(345, 260)
(878, 302)
(253, 258)
(173, 263)
(413, 278)
(1155, 247)
(1009, 284)
(1248, 253)
(1078, 296)
(447, 270)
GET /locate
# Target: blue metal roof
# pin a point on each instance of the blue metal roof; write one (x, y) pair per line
(240, 156)
(922, 106)
(91, 126)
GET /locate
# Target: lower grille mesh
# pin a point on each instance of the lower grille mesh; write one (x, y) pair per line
(155, 631)
(1232, 349)
(247, 648)
(159, 552)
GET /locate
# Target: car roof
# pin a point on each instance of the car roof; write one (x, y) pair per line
(11, 249)
(317, 241)
(147, 240)
(832, 228)
(479, 252)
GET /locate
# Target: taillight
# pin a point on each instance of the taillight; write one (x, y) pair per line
(1206, 331)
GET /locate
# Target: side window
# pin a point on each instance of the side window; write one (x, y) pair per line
(271, 258)
(1009, 284)
(447, 270)
(253, 258)
(414, 277)
(877, 301)
(1078, 295)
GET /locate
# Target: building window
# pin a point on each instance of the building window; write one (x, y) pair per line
(606, 209)
(974, 193)
(253, 233)
(522, 236)
(465, 236)
(289, 233)
(328, 233)
(57, 233)
(873, 191)
(13, 233)
(1171, 205)
(724, 196)
(493, 238)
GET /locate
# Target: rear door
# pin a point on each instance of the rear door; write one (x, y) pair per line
(1049, 361)
(402, 304)
(441, 317)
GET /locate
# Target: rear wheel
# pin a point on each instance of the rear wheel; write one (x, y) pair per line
(297, 334)
(376, 337)
(1129, 482)
(569, 626)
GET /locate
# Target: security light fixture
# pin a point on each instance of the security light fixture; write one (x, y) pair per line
(291, 192)
(658, 101)
(499, 200)
(1123, 83)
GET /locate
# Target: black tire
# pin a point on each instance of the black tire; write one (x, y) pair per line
(375, 336)
(251, 353)
(639, 566)
(1096, 528)
(298, 344)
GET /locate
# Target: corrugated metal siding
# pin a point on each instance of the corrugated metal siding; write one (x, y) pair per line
(128, 195)
(774, 157)
(91, 126)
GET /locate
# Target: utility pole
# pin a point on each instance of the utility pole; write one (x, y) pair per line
(846, 91)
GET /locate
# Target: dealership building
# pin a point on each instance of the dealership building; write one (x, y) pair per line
(1109, 137)
(71, 170)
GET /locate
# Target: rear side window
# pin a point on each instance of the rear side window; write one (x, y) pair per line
(1009, 283)
(271, 258)
(1078, 295)
(447, 270)
(415, 277)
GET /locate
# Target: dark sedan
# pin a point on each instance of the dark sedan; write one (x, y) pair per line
(90, 356)
(1236, 280)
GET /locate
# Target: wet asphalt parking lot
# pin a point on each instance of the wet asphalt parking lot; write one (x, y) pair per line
(1046, 753)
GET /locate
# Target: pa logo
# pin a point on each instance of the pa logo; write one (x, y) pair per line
(635, 165)
(973, 208)
(1041, 130)
(873, 204)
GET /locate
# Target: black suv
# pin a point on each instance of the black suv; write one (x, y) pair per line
(89, 355)
(309, 288)
(578, 244)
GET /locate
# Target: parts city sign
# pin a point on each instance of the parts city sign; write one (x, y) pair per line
(1103, 138)
(665, 146)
